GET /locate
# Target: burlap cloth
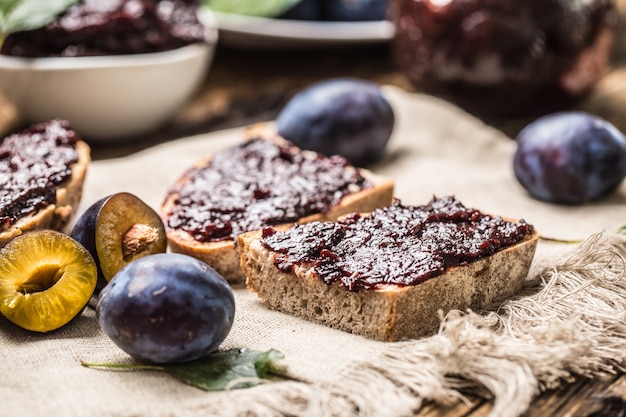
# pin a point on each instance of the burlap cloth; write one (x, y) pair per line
(436, 149)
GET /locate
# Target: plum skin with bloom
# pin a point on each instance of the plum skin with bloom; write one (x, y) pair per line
(166, 308)
(570, 158)
(349, 117)
(357, 10)
(304, 10)
(337, 10)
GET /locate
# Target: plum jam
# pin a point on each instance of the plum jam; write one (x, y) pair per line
(397, 245)
(111, 27)
(32, 164)
(260, 183)
(504, 58)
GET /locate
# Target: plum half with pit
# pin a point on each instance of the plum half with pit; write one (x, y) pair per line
(349, 117)
(570, 158)
(118, 229)
(46, 279)
(167, 308)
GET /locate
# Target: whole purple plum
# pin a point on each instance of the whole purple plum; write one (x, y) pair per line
(166, 308)
(570, 158)
(356, 10)
(304, 10)
(341, 116)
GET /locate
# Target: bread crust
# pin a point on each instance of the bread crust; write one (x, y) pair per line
(223, 255)
(392, 313)
(68, 194)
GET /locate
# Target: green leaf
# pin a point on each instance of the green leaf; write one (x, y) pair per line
(266, 8)
(21, 15)
(229, 369)
(235, 368)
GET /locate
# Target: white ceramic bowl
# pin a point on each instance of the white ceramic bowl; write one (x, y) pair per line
(107, 98)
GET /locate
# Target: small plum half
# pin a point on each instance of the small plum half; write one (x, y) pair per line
(118, 229)
(46, 279)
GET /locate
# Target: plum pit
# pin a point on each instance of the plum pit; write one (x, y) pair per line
(138, 240)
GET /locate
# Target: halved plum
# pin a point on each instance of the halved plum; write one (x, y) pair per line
(46, 279)
(118, 229)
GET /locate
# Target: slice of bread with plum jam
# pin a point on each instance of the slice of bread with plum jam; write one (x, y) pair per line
(387, 275)
(263, 181)
(43, 170)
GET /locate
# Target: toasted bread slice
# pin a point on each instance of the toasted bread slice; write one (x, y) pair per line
(387, 312)
(56, 216)
(223, 256)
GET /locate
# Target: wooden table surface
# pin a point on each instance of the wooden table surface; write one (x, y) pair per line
(244, 86)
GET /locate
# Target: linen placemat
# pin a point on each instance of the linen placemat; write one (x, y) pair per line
(436, 149)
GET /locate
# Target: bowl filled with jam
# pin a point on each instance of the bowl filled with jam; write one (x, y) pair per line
(116, 69)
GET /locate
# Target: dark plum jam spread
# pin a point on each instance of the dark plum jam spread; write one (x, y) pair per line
(32, 164)
(260, 183)
(397, 245)
(111, 27)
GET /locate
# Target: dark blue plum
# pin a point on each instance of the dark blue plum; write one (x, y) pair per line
(166, 308)
(304, 10)
(341, 116)
(570, 158)
(356, 10)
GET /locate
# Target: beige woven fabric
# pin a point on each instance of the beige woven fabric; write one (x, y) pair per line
(436, 150)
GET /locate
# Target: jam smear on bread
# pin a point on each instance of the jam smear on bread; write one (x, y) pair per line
(259, 183)
(32, 164)
(396, 245)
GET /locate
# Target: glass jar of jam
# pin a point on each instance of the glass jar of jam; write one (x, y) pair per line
(504, 58)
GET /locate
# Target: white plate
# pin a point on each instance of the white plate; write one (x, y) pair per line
(258, 32)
